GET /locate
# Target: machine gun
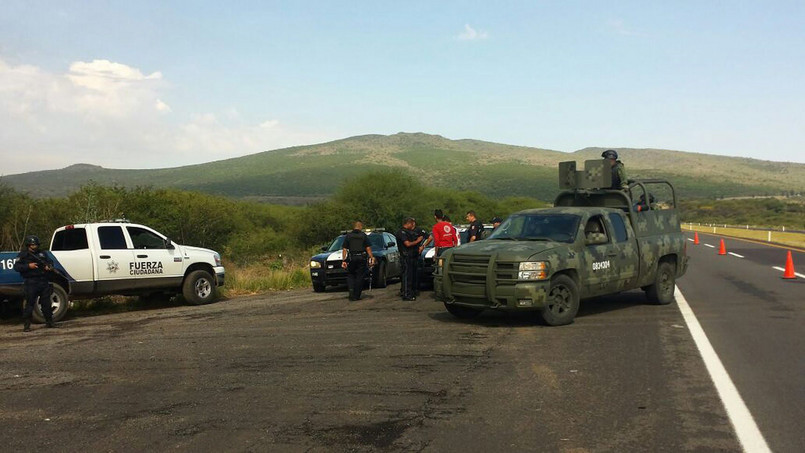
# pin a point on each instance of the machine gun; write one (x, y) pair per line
(45, 265)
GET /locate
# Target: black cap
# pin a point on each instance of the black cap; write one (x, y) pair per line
(31, 240)
(496, 220)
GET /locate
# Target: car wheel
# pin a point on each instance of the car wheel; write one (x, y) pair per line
(462, 312)
(199, 288)
(380, 276)
(58, 302)
(661, 292)
(562, 303)
(319, 287)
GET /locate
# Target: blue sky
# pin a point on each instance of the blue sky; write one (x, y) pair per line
(152, 84)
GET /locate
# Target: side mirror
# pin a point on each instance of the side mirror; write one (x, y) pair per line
(168, 244)
(323, 248)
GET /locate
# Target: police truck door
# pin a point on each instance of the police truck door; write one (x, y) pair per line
(154, 264)
(113, 260)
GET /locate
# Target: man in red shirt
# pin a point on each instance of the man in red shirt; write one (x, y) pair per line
(444, 233)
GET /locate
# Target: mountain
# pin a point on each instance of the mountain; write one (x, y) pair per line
(305, 173)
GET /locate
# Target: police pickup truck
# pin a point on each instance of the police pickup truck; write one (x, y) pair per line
(591, 243)
(118, 257)
(325, 268)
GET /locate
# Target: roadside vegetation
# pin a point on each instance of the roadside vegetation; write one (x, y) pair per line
(267, 247)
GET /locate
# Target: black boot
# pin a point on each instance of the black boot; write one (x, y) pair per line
(27, 326)
(49, 324)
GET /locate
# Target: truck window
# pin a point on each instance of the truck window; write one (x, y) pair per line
(594, 231)
(72, 239)
(111, 238)
(538, 227)
(144, 239)
(620, 228)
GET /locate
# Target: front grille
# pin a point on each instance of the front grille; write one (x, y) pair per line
(469, 269)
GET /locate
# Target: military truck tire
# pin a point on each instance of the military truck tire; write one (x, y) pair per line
(462, 312)
(562, 303)
(318, 288)
(59, 302)
(199, 288)
(662, 291)
(381, 279)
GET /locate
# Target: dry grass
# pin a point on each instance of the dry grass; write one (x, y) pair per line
(776, 237)
(259, 278)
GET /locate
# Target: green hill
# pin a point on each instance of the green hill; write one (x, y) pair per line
(306, 173)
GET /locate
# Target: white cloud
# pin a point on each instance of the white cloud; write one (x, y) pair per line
(471, 34)
(114, 115)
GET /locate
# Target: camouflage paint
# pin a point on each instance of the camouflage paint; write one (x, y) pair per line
(484, 274)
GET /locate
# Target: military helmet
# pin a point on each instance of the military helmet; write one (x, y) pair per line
(610, 154)
(31, 240)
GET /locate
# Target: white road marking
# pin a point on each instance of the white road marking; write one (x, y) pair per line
(735, 254)
(781, 269)
(711, 246)
(691, 240)
(742, 421)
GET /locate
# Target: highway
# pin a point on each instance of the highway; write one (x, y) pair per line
(755, 321)
(304, 371)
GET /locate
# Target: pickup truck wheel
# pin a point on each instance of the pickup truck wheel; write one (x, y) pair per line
(462, 312)
(58, 302)
(662, 291)
(199, 288)
(381, 279)
(318, 288)
(562, 303)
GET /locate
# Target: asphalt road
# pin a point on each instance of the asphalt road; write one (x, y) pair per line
(302, 371)
(755, 321)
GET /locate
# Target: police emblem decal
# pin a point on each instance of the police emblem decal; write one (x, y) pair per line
(112, 267)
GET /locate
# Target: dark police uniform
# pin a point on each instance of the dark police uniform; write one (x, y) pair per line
(410, 261)
(475, 230)
(356, 242)
(36, 284)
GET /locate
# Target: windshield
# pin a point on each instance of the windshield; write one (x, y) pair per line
(375, 240)
(538, 227)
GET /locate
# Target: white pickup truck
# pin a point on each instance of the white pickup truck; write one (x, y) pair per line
(119, 257)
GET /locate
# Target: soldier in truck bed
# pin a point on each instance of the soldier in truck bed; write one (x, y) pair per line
(34, 266)
(618, 169)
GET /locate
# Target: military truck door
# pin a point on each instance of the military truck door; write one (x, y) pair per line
(625, 262)
(600, 254)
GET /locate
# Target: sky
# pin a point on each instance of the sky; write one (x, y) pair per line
(153, 84)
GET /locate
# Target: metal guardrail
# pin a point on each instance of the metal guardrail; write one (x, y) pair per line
(781, 236)
(743, 227)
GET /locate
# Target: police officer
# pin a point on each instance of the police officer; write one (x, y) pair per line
(357, 252)
(34, 266)
(618, 170)
(496, 221)
(409, 240)
(476, 229)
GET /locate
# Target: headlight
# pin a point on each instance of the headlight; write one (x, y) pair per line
(217, 259)
(315, 264)
(440, 262)
(533, 270)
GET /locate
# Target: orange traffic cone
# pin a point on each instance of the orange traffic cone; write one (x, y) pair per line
(789, 267)
(696, 238)
(721, 249)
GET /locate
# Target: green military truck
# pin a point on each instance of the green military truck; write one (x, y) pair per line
(593, 242)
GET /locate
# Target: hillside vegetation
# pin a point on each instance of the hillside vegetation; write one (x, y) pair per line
(312, 173)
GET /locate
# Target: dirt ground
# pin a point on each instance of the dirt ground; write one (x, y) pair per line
(304, 371)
